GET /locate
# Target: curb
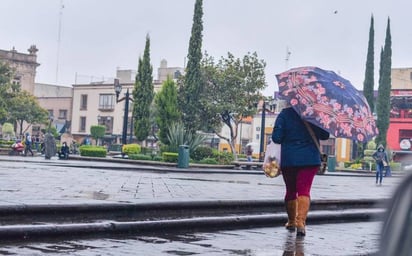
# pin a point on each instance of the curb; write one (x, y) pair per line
(36, 232)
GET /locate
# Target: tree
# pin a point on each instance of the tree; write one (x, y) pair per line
(97, 131)
(191, 89)
(167, 109)
(384, 90)
(7, 89)
(143, 95)
(7, 130)
(25, 107)
(231, 92)
(368, 83)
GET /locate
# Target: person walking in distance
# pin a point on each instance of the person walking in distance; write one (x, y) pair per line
(300, 161)
(29, 143)
(249, 153)
(382, 162)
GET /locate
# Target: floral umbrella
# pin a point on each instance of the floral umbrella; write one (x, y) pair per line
(328, 101)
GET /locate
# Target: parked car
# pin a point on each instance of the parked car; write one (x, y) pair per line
(396, 237)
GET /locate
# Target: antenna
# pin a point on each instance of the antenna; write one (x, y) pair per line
(59, 39)
(288, 53)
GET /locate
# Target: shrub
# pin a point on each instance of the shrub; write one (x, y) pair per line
(371, 145)
(356, 166)
(140, 157)
(95, 151)
(157, 158)
(347, 164)
(201, 153)
(208, 161)
(170, 157)
(130, 149)
(223, 157)
(177, 135)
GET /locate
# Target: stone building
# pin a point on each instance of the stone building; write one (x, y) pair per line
(24, 66)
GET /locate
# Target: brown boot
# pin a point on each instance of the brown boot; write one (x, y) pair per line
(303, 208)
(291, 209)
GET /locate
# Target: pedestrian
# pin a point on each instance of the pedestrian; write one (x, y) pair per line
(37, 143)
(64, 151)
(300, 161)
(382, 162)
(28, 142)
(249, 153)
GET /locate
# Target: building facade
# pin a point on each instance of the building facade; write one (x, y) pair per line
(58, 102)
(24, 66)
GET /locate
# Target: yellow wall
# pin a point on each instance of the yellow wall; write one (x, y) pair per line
(343, 150)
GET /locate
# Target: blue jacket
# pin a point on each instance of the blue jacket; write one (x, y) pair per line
(298, 148)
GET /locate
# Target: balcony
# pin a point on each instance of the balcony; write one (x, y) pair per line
(106, 108)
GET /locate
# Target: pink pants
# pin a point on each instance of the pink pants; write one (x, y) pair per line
(298, 181)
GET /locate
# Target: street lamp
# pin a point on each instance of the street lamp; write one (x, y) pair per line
(126, 98)
(262, 133)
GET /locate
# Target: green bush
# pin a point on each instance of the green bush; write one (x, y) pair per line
(371, 145)
(157, 158)
(140, 157)
(223, 157)
(347, 164)
(170, 157)
(208, 161)
(368, 152)
(94, 151)
(201, 152)
(130, 149)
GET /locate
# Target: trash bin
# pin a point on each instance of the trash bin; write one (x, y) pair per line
(183, 157)
(331, 163)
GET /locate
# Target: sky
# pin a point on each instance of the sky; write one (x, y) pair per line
(80, 41)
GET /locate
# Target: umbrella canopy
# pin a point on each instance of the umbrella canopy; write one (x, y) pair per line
(328, 101)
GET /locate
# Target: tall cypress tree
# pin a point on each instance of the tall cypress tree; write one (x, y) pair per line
(191, 89)
(167, 108)
(143, 94)
(384, 90)
(368, 83)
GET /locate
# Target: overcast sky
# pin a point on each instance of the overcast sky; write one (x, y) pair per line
(99, 36)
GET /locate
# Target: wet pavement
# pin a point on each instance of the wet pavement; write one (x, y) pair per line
(331, 239)
(31, 181)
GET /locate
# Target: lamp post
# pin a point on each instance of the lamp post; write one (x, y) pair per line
(262, 133)
(126, 98)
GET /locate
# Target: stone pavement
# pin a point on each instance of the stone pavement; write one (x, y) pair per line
(34, 180)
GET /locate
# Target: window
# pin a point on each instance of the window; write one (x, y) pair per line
(50, 113)
(82, 127)
(106, 121)
(106, 101)
(62, 113)
(83, 102)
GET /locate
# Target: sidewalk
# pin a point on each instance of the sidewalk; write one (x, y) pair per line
(34, 180)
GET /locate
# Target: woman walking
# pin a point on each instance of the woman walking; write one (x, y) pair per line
(381, 162)
(300, 161)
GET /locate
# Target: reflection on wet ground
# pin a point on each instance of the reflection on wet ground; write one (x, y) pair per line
(331, 239)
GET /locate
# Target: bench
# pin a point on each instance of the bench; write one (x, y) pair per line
(247, 165)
